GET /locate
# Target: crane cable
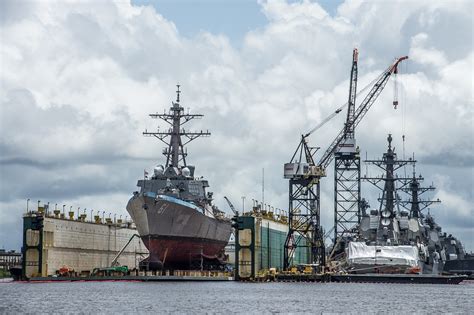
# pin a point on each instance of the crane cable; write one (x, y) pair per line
(332, 115)
(404, 106)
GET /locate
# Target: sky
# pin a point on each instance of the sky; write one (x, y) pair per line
(79, 78)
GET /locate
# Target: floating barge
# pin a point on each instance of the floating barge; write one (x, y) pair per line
(177, 275)
(398, 278)
(219, 276)
(366, 278)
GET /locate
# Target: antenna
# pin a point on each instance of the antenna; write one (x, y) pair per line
(263, 185)
(177, 93)
(175, 138)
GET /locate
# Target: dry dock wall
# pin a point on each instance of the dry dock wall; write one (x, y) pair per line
(52, 243)
(259, 245)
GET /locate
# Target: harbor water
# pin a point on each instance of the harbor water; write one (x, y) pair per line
(234, 297)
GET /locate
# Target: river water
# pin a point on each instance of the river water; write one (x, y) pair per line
(234, 297)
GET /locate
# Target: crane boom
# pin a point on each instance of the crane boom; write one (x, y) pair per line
(231, 206)
(361, 111)
(325, 120)
(349, 127)
(114, 262)
(352, 97)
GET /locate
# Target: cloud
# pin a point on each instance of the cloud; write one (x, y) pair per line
(79, 79)
(426, 55)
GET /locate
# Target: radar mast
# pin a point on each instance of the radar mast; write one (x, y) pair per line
(173, 137)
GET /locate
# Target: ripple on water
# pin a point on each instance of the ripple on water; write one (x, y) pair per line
(233, 297)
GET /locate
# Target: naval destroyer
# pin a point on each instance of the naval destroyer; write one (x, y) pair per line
(174, 214)
(398, 237)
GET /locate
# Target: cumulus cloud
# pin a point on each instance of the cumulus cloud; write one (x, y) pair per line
(78, 80)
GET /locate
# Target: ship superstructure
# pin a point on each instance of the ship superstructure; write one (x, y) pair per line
(173, 211)
(398, 237)
(385, 230)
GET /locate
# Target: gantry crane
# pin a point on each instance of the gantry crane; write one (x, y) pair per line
(304, 220)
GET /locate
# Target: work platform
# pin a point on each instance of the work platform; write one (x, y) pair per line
(219, 276)
(131, 278)
(398, 278)
(367, 278)
(176, 275)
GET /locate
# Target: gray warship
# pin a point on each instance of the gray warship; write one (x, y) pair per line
(174, 215)
(398, 237)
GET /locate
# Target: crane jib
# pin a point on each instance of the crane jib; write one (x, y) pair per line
(361, 111)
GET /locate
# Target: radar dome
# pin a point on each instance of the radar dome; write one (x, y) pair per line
(186, 172)
(159, 170)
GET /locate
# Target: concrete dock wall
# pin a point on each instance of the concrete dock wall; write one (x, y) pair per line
(81, 246)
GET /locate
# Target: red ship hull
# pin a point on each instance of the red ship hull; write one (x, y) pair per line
(181, 252)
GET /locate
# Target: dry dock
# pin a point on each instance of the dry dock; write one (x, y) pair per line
(52, 242)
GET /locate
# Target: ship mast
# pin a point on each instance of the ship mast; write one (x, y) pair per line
(387, 184)
(172, 137)
(416, 205)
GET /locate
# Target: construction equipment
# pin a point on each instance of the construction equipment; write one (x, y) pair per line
(361, 111)
(304, 226)
(110, 271)
(347, 160)
(347, 169)
(236, 213)
(304, 174)
(327, 119)
(114, 262)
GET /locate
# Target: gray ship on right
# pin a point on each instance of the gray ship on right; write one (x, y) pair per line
(399, 236)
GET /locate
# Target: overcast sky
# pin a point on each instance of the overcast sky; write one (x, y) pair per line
(78, 80)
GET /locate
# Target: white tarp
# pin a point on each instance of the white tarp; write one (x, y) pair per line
(361, 253)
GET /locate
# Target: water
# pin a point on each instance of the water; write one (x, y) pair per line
(234, 297)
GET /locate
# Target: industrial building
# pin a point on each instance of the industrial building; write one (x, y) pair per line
(8, 259)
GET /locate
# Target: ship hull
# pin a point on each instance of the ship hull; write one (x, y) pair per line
(460, 266)
(182, 252)
(176, 233)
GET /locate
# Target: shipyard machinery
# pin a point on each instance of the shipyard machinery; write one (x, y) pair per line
(304, 174)
(347, 169)
(236, 213)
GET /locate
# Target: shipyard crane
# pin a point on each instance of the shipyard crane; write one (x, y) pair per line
(347, 168)
(304, 226)
(360, 112)
(231, 206)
